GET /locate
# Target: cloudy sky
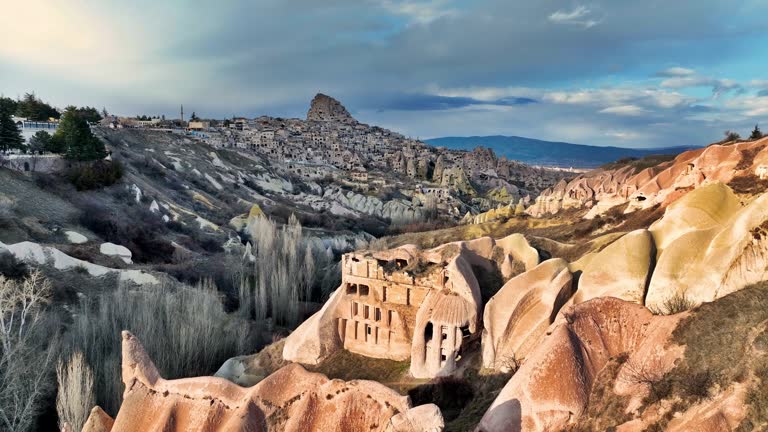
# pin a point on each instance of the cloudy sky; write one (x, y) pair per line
(610, 72)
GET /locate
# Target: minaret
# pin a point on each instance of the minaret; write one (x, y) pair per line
(182, 113)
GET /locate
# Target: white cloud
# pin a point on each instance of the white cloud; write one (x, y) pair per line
(581, 16)
(750, 106)
(623, 135)
(676, 72)
(719, 86)
(420, 12)
(625, 110)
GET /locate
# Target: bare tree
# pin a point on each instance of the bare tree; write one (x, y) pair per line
(76, 394)
(26, 350)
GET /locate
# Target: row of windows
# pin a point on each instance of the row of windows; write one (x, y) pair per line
(365, 311)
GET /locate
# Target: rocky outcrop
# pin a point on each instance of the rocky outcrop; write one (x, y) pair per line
(37, 254)
(620, 270)
(398, 211)
(553, 385)
(327, 109)
(98, 421)
(292, 400)
(661, 184)
(518, 315)
(406, 303)
(711, 246)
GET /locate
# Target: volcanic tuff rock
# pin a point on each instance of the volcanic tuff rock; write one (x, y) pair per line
(709, 250)
(290, 400)
(98, 421)
(518, 315)
(407, 303)
(326, 108)
(620, 270)
(600, 190)
(553, 385)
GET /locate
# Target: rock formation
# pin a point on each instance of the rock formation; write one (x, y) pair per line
(553, 385)
(98, 421)
(620, 270)
(327, 109)
(518, 315)
(407, 303)
(661, 184)
(291, 399)
(711, 246)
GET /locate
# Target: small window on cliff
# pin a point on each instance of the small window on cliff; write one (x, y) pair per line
(465, 332)
(364, 290)
(641, 198)
(351, 289)
(428, 332)
(401, 263)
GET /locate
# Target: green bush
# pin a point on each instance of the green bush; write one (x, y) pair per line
(95, 175)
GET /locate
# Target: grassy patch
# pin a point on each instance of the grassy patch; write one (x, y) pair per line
(639, 164)
(349, 366)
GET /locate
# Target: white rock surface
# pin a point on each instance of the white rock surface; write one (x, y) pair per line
(112, 249)
(75, 237)
(45, 255)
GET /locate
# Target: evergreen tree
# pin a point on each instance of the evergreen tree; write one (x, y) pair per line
(41, 141)
(33, 108)
(194, 117)
(756, 133)
(10, 135)
(75, 138)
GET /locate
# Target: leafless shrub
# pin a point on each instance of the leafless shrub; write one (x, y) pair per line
(675, 303)
(185, 331)
(26, 350)
(509, 363)
(281, 273)
(75, 396)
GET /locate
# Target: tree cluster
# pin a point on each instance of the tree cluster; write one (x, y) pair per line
(10, 135)
(32, 108)
(74, 138)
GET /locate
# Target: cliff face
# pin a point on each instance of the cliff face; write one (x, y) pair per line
(326, 108)
(661, 184)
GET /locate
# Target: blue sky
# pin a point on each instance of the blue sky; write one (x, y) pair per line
(611, 72)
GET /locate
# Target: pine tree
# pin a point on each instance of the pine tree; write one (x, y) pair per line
(756, 133)
(74, 137)
(10, 135)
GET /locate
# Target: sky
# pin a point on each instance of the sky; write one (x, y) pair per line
(628, 73)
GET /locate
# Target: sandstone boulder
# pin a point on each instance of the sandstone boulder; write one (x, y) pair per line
(75, 237)
(121, 252)
(553, 385)
(519, 314)
(98, 421)
(620, 270)
(423, 418)
(724, 255)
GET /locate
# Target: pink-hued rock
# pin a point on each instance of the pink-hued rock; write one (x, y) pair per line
(518, 315)
(600, 190)
(552, 386)
(98, 421)
(291, 399)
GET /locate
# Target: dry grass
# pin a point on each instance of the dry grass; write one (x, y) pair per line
(347, 366)
(75, 396)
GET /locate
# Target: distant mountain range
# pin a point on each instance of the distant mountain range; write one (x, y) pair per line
(549, 153)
